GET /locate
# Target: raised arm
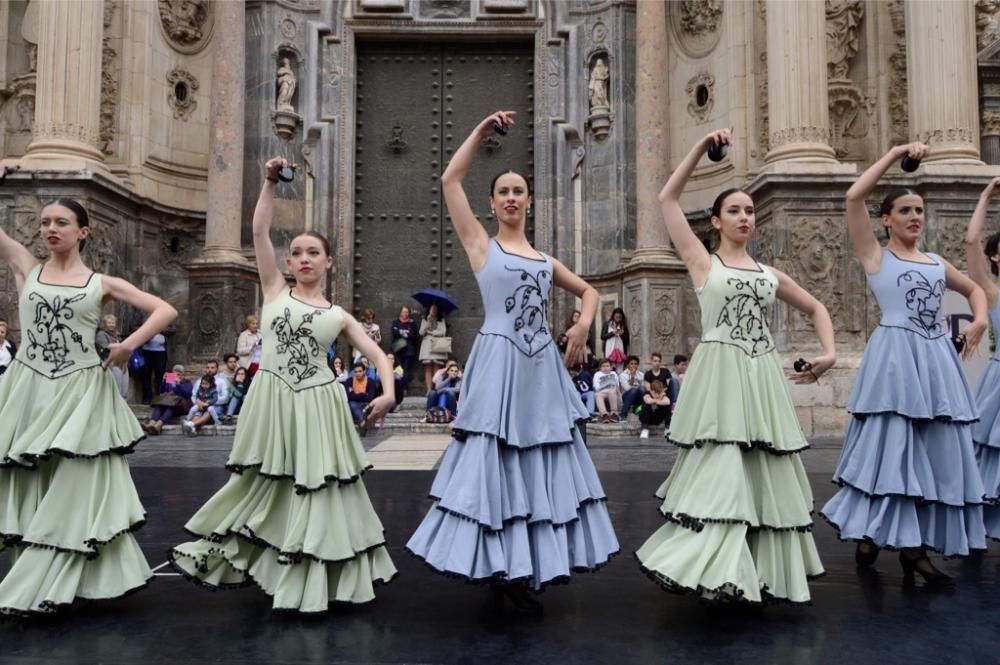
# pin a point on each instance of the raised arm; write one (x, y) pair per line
(272, 281)
(975, 258)
(17, 257)
(161, 315)
(805, 302)
(472, 234)
(355, 334)
(576, 336)
(688, 245)
(973, 332)
(866, 245)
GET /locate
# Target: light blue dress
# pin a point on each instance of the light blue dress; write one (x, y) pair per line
(986, 432)
(908, 472)
(516, 496)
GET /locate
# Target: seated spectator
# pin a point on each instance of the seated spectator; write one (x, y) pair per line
(174, 399)
(583, 381)
(203, 410)
(656, 372)
(339, 373)
(222, 386)
(440, 374)
(370, 371)
(607, 392)
(107, 335)
(229, 367)
(239, 386)
(680, 369)
(7, 349)
(655, 409)
(632, 388)
(446, 391)
(360, 391)
(248, 345)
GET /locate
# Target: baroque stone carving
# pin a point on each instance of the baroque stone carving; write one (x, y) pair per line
(187, 24)
(182, 85)
(950, 135)
(817, 248)
(664, 320)
(799, 135)
(700, 16)
(109, 84)
(763, 125)
(898, 109)
(287, 81)
(18, 110)
(842, 20)
(598, 93)
(987, 22)
(701, 96)
(445, 8)
(991, 123)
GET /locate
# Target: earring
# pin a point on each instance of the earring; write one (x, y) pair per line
(529, 211)
(493, 211)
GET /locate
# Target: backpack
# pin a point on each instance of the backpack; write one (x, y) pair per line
(438, 415)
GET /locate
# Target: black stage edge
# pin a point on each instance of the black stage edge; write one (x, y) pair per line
(614, 616)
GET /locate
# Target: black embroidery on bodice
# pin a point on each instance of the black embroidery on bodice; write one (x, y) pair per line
(531, 302)
(298, 343)
(53, 335)
(924, 300)
(746, 315)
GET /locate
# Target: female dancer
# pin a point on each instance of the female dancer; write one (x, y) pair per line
(737, 501)
(295, 518)
(986, 432)
(908, 472)
(68, 504)
(517, 502)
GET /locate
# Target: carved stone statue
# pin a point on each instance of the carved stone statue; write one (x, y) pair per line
(286, 86)
(700, 16)
(598, 86)
(987, 22)
(842, 20)
(184, 20)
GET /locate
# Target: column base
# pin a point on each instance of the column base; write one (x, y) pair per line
(63, 162)
(221, 295)
(655, 257)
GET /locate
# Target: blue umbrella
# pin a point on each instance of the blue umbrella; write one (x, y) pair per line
(428, 297)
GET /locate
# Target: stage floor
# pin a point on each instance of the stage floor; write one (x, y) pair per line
(614, 616)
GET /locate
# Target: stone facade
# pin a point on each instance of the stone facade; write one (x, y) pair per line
(621, 90)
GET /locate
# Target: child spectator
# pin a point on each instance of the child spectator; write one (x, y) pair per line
(240, 385)
(655, 409)
(607, 392)
(203, 408)
(632, 388)
(585, 385)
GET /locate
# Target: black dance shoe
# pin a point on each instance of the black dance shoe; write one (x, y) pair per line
(921, 565)
(865, 554)
(519, 598)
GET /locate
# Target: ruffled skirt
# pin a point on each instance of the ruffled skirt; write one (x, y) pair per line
(68, 505)
(294, 518)
(986, 435)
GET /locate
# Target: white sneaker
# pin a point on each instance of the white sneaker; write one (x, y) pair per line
(644, 434)
(188, 428)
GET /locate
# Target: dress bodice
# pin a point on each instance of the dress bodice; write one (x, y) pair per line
(736, 305)
(296, 336)
(910, 294)
(60, 325)
(995, 326)
(516, 292)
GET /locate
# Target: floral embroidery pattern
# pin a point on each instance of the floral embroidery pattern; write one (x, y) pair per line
(531, 301)
(924, 300)
(746, 314)
(53, 334)
(297, 344)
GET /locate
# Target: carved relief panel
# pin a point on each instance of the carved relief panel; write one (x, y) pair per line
(186, 24)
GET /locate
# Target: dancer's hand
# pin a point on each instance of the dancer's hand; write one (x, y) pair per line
(376, 409)
(118, 355)
(716, 138)
(505, 118)
(973, 334)
(275, 164)
(991, 189)
(916, 150)
(576, 344)
(816, 368)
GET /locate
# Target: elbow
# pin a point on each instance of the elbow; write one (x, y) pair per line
(171, 313)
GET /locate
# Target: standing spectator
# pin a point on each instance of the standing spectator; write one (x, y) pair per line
(248, 345)
(7, 348)
(154, 353)
(204, 407)
(106, 336)
(616, 338)
(632, 387)
(360, 391)
(608, 392)
(404, 342)
(584, 383)
(680, 369)
(657, 372)
(174, 399)
(431, 327)
(239, 387)
(655, 409)
(370, 328)
(573, 319)
(230, 363)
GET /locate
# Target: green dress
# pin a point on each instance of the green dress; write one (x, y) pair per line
(294, 517)
(67, 501)
(738, 503)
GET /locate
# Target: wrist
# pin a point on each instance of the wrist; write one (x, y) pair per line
(271, 179)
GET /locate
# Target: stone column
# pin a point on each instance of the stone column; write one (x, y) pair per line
(68, 89)
(799, 117)
(652, 125)
(941, 70)
(225, 160)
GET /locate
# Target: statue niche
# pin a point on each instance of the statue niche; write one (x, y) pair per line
(598, 96)
(285, 118)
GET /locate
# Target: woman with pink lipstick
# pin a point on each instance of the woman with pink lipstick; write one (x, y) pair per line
(295, 518)
(68, 506)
